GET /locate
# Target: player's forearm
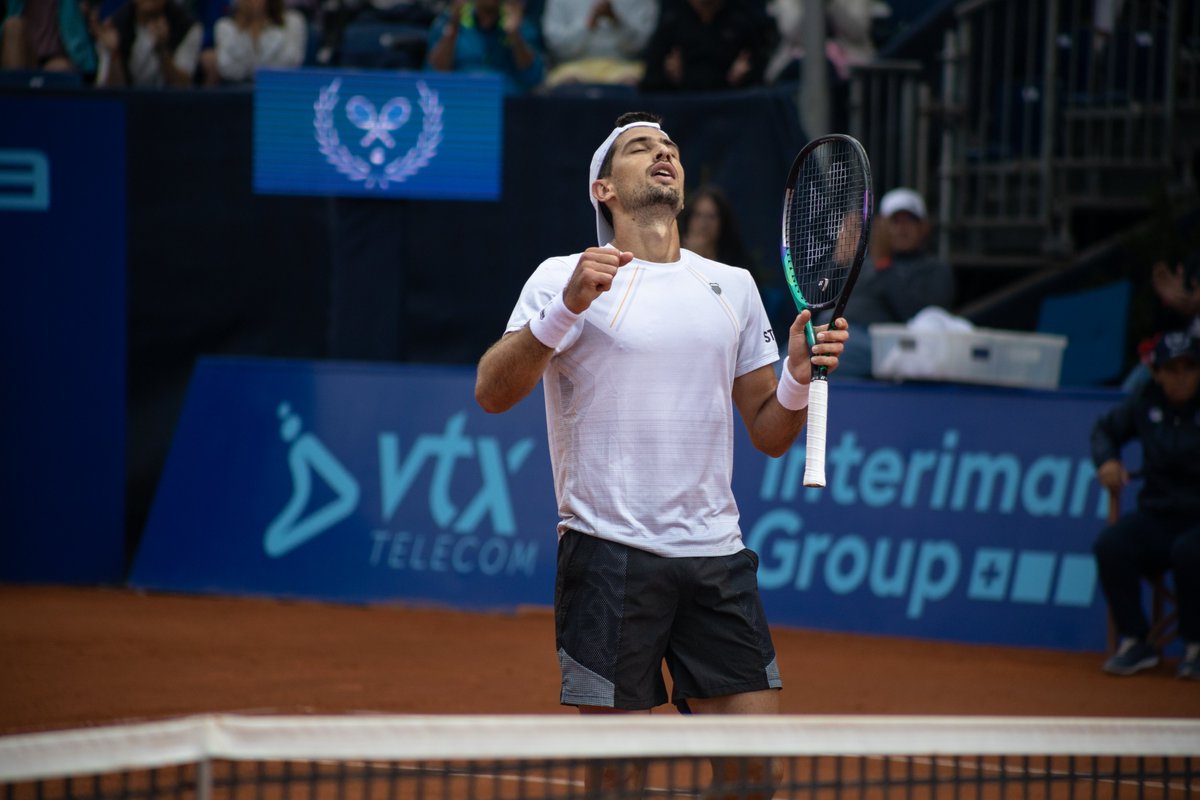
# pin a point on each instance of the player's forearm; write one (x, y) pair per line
(775, 428)
(509, 370)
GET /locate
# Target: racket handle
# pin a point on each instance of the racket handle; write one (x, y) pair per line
(814, 449)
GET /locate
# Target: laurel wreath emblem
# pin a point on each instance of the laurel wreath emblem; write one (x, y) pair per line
(355, 167)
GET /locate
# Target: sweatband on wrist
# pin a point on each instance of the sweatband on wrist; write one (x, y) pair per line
(554, 322)
(791, 393)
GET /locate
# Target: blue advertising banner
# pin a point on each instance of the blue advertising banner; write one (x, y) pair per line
(62, 339)
(955, 513)
(352, 483)
(378, 134)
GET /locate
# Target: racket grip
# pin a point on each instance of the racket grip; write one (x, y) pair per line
(814, 449)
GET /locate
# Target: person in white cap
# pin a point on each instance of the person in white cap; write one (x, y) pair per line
(641, 345)
(894, 286)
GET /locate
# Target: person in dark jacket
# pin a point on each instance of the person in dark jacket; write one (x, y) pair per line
(1163, 533)
(708, 45)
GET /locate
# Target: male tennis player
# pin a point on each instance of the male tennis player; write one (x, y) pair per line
(641, 345)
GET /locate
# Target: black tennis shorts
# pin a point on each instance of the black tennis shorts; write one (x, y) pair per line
(619, 611)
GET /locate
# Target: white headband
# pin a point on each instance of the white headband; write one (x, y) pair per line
(604, 229)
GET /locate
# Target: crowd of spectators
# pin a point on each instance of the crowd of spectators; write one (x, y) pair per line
(537, 45)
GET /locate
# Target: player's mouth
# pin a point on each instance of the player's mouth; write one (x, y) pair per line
(664, 171)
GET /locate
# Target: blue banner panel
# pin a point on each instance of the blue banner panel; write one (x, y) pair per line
(378, 134)
(955, 513)
(353, 483)
(951, 512)
(62, 339)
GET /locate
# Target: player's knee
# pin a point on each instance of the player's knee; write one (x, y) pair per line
(745, 778)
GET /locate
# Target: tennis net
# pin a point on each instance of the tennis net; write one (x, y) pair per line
(369, 757)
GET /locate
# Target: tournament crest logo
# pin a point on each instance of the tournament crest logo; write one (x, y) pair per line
(375, 159)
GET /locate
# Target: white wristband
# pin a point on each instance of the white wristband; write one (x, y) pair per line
(554, 322)
(791, 394)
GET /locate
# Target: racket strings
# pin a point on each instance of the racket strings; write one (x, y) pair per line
(824, 214)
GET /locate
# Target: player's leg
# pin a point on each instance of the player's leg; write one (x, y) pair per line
(722, 661)
(624, 779)
(612, 613)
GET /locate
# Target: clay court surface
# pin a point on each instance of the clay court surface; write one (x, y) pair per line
(76, 657)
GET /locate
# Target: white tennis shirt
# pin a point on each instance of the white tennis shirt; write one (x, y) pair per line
(638, 401)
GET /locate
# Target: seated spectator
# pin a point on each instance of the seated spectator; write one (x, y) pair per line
(488, 36)
(47, 35)
(259, 33)
(597, 41)
(149, 43)
(709, 228)
(704, 45)
(849, 41)
(1163, 533)
(894, 286)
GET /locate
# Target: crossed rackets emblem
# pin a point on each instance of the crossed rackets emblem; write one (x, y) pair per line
(378, 125)
(376, 164)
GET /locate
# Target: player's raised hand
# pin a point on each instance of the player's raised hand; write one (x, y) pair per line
(593, 276)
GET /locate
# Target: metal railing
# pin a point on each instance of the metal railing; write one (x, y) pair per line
(1043, 114)
(1057, 108)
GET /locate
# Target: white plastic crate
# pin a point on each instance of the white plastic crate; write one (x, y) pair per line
(982, 355)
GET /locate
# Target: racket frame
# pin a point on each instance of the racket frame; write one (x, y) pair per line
(814, 467)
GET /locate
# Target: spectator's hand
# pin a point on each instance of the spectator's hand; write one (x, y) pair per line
(514, 14)
(105, 33)
(739, 69)
(593, 276)
(830, 343)
(1170, 284)
(673, 66)
(1112, 475)
(159, 32)
(602, 9)
(455, 16)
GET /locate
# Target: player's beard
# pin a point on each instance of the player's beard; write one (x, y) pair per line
(648, 196)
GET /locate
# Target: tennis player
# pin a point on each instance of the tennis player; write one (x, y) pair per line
(642, 345)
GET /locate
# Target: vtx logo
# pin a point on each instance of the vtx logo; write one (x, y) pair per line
(398, 472)
(493, 499)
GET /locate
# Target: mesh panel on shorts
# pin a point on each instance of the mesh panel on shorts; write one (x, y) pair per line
(610, 572)
(581, 686)
(773, 679)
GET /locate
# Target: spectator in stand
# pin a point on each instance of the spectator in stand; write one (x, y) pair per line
(705, 45)
(893, 285)
(259, 33)
(488, 36)
(709, 228)
(49, 35)
(148, 43)
(848, 43)
(597, 41)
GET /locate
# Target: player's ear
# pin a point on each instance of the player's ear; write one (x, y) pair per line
(602, 190)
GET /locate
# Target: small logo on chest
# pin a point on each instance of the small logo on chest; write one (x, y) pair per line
(716, 287)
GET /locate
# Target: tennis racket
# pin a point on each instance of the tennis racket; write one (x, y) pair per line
(827, 208)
